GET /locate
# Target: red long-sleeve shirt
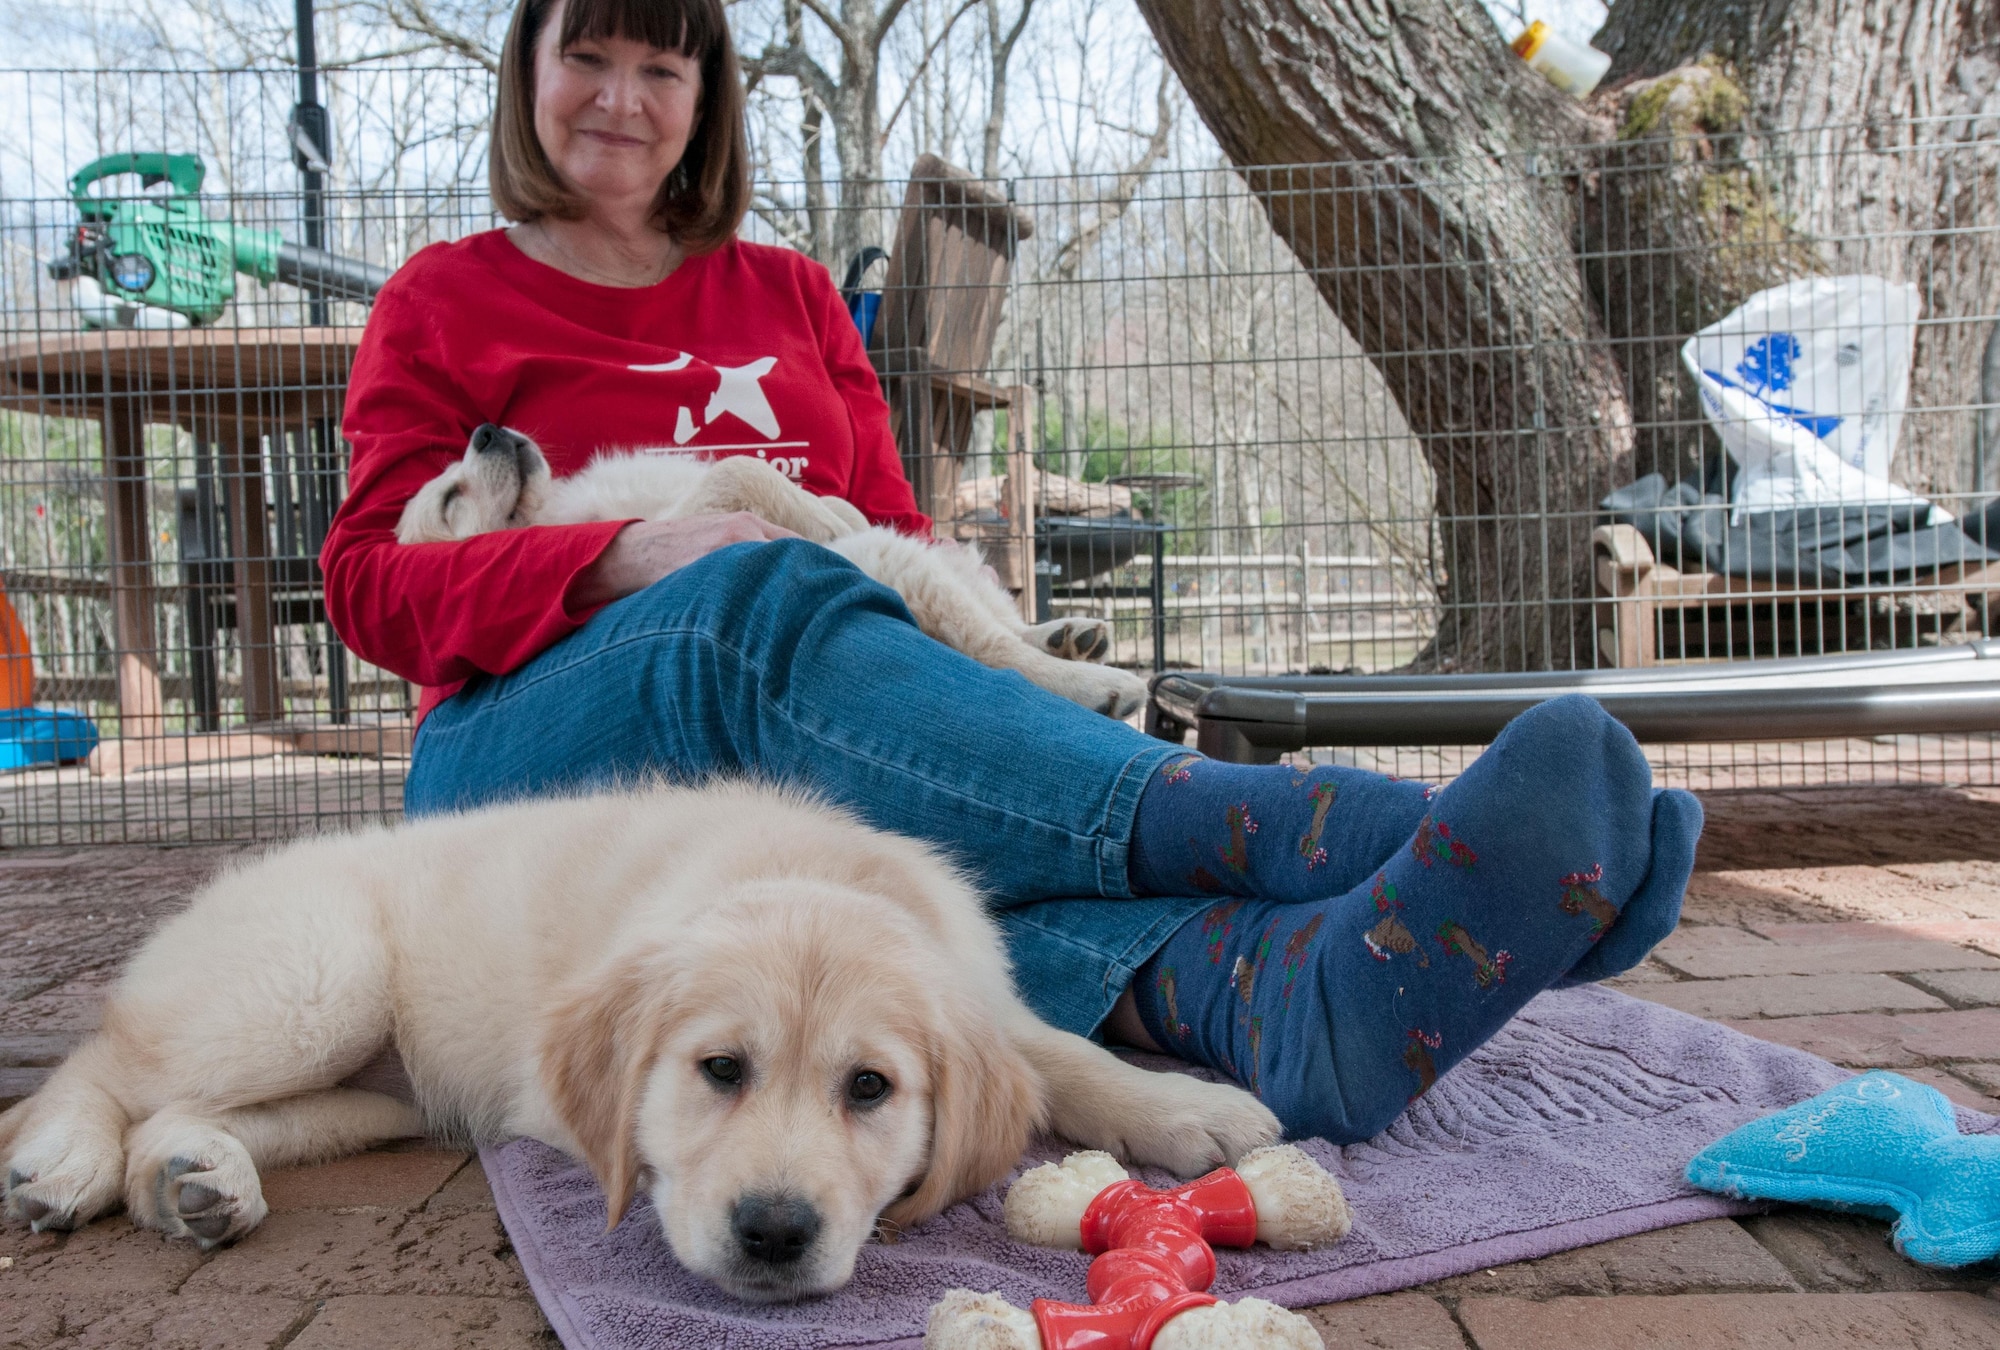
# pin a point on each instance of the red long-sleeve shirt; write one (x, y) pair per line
(747, 350)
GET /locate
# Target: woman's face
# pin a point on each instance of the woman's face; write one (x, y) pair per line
(613, 116)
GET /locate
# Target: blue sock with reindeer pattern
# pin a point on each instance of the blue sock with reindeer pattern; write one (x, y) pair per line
(1267, 832)
(1369, 934)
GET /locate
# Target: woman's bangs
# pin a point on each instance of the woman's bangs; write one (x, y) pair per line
(684, 26)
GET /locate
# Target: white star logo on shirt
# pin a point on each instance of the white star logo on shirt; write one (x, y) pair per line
(739, 392)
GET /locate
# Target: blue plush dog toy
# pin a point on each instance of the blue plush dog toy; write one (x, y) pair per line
(1878, 1144)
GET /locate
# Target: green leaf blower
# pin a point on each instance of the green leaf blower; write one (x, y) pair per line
(158, 262)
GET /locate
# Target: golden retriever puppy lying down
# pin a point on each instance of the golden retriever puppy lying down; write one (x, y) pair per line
(784, 1025)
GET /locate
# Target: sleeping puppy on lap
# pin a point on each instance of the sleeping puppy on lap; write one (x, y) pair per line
(503, 482)
(780, 1046)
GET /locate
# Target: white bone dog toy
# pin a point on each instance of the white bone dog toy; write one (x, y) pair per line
(1154, 1259)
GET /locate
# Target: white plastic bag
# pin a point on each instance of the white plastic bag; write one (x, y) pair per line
(1806, 385)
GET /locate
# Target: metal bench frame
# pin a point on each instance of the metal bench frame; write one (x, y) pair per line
(1255, 720)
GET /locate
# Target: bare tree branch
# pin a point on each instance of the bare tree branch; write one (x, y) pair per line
(917, 75)
(782, 218)
(999, 55)
(793, 61)
(855, 44)
(1070, 256)
(415, 17)
(886, 18)
(369, 58)
(812, 126)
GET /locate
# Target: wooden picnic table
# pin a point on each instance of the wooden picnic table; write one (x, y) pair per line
(230, 388)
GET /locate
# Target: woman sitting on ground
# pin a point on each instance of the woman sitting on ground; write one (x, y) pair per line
(1332, 939)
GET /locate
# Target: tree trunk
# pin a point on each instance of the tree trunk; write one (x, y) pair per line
(857, 118)
(1681, 224)
(1452, 264)
(1526, 308)
(1000, 42)
(812, 129)
(1868, 190)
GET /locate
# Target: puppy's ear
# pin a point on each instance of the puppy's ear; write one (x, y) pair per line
(985, 1098)
(535, 482)
(422, 521)
(534, 464)
(598, 1046)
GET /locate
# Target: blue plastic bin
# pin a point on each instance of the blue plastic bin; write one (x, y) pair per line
(32, 736)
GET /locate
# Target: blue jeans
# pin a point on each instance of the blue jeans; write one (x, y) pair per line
(782, 661)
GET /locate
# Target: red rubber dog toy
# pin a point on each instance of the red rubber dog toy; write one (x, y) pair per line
(1157, 1260)
(1155, 1257)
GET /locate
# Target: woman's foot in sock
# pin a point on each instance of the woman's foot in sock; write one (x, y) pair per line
(1654, 910)
(1340, 1012)
(1269, 831)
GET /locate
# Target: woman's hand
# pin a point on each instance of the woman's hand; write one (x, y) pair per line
(647, 550)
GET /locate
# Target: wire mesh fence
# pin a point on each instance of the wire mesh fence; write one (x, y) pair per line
(1329, 418)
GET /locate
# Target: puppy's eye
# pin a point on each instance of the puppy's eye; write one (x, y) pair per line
(867, 1088)
(450, 496)
(723, 1070)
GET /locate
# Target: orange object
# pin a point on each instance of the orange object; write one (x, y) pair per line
(17, 664)
(1531, 40)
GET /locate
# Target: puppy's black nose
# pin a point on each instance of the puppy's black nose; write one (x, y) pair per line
(776, 1230)
(492, 440)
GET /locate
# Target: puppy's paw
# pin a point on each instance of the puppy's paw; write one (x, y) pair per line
(846, 517)
(189, 1179)
(208, 1201)
(62, 1179)
(815, 519)
(1072, 639)
(1195, 1127)
(1106, 689)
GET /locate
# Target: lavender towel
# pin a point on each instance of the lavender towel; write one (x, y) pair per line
(1571, 1126)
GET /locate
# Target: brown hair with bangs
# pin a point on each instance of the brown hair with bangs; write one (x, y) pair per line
(702, 201)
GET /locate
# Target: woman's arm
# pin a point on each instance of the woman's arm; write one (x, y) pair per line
(877, 486)
(437, 613)
(441, 613)
(647, 550)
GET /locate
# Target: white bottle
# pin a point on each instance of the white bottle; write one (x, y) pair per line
(1573, 67)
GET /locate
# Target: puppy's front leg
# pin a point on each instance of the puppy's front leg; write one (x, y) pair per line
(1168, 1120)
(196, 1173)
(744, 483)
(62, 1151)
(952, 602)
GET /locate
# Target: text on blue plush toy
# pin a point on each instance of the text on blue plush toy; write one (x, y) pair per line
(1878, 1144)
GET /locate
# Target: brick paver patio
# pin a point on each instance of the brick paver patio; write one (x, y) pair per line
(1862, 924)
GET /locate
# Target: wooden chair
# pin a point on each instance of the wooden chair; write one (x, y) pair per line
(1638, 596)
(942, 302)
